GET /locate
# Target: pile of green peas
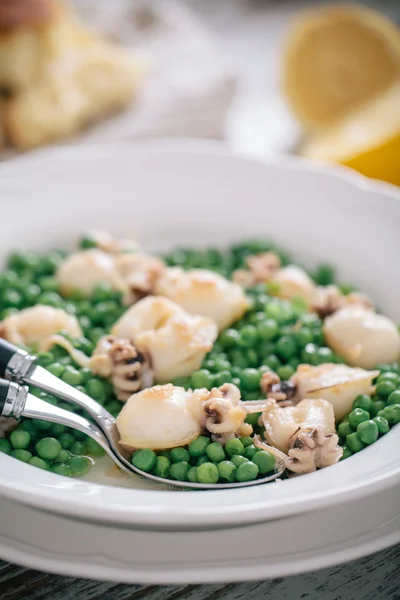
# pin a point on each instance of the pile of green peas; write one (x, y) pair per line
(204, 461)
(274, 334)
(371, 417)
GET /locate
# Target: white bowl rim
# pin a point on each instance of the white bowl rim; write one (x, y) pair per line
(94, 502)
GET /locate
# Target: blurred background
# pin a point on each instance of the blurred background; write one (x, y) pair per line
(313, 78)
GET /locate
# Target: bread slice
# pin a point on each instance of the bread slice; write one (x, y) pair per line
(28, 52)
(88, 83)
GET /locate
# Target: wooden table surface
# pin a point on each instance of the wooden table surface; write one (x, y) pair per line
(373, 578)
(239, 23)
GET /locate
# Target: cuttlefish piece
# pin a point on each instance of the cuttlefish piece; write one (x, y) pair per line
(305, 433)
(175, 340)
(139, 273)
(132, 273)
(202, 292)
(292, 282)
(336, 383)
(34, 325)
(363, 337)
(84, 271)
(104, 241)
(158, 418)
(167, 416)
(116, 359)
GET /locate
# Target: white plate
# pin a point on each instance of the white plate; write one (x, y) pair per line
(197, 194)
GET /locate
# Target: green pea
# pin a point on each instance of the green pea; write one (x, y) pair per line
(44, 359)
(179, 455)
(48, 284)
(56, 369)
(265, 461)
(199, 446)
(21, 454)
(79, 465)
(394, 397)
(273, 362)
(227, 471)
(78, 448)
(63, 456)
(344, 429)
(51, 299)
(247, 472)
(222, 378)
(62, 469)
(238, 460)
(267, 329)
(201, 379)
(95, 389)
(303, 336)
(5, 446)
(389, 376)
(215, 452)
(255, 318)
(72, 376)
(238, 359)
(354, 442)
(221, 364)
(368, 432)
(48, 448)
(252, 419)
(385, 388)
(20, 439)
(113, 407)
(11, 298)
(57, 429)
(248, 336)
(357, 416)
(192, 475)
(234, 446)
(162, 467)
(363, 401)
(35, 461)
(250, 379)
(391, 413)
(382, 424)
(207, 473)
(203, 459)
(346, 453)
(144, 460)
(66, 440)
(180, 470)
(324, 274)
(93, 448)
(286, 347)
(246, 441)
(377, 405)
(42, 425)
(285, 372)
(229, 338)
(250, 451)
(309, 354)
(166, 453)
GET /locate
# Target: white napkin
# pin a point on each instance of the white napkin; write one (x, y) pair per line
(190, 87)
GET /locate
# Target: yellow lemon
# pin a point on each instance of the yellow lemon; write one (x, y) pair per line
(367, 140)
(335, 59)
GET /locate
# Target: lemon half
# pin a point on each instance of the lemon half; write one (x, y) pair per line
(368, 140)
(337, 58)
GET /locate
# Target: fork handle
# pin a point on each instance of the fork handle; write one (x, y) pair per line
(15, 363)
(4, 391)
(7, 351)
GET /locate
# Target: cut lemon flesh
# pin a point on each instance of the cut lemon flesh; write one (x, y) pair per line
(367, 140)
(336, 59)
